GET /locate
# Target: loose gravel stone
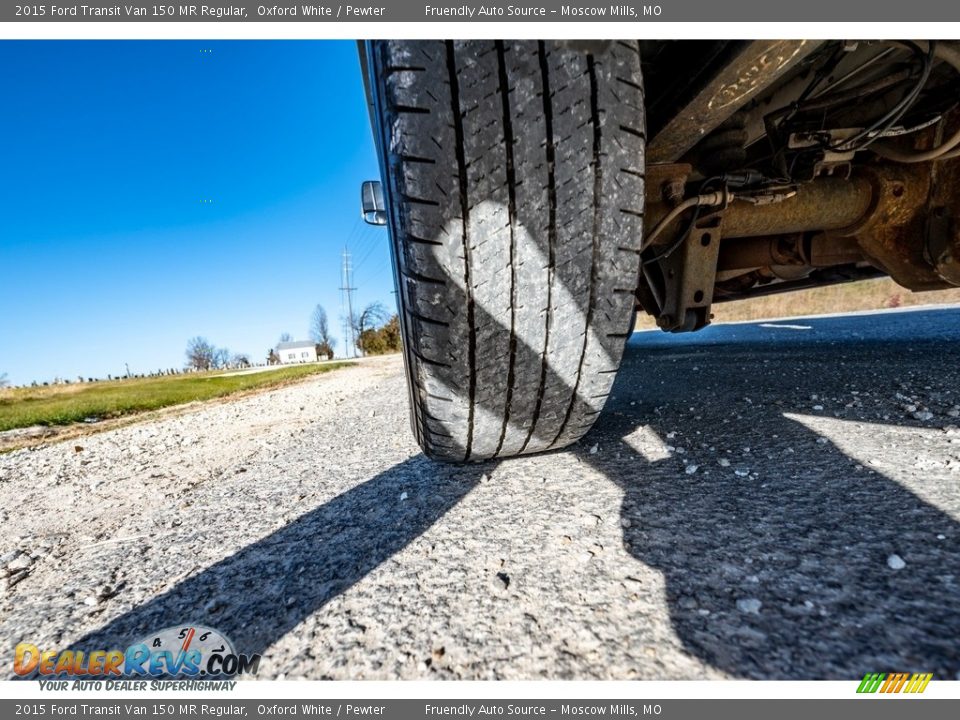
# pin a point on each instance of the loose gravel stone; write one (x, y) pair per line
(20, 562)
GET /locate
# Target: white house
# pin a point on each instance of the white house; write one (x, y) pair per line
(297, 352)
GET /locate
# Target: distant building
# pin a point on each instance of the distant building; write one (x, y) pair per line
(297, 352)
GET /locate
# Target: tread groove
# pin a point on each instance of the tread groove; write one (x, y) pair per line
(424, 359)
(423, 241)
(411, 109)
(629, 83)
(417, 159)
(391, 69)
(550, 148)
(420, 201)
(597, 194)
(464, 218)
(512, 216)
(420, 277)
(427, 320)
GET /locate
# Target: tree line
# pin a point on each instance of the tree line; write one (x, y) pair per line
(375, 330)
(204, 355)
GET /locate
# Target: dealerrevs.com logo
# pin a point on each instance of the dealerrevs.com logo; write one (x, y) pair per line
(189, 651)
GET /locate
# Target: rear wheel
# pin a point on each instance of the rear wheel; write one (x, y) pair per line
(514, 180)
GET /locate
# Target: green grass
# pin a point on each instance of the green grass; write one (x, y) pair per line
(66, 404)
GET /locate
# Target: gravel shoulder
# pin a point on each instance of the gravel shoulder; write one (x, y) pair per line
(755, 502)
(79, 493)
(41, 434)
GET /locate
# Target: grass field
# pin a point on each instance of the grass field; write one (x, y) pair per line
(850, 297)
(66, 404)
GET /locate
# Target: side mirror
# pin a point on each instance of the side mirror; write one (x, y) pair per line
(371, 200)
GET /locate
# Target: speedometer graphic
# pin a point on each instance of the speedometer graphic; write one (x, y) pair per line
(190, 649)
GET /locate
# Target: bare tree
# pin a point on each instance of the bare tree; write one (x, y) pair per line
(221, 358)
(319, 327)
(320, 332)
(200, 353)
(285, 337)
(3, 380)
(240, 360)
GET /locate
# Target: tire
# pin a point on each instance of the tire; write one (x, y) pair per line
(513, 173)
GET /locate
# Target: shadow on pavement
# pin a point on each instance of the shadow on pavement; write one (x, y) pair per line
(780, 573)
(777, 566)
(261, 592)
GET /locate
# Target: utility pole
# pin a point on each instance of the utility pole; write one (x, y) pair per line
(346, 291)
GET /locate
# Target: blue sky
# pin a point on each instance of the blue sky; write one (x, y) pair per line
(153, 191)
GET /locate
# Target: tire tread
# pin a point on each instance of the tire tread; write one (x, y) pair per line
(514, 170)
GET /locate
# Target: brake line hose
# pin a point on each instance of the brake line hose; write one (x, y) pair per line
(950, 55)
(714, 198)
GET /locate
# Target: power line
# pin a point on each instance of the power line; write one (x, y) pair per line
(366, 255)
(358, 225)
(384, 265)
(365, 245)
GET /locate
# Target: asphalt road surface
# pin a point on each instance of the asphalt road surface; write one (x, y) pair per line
(774, 500)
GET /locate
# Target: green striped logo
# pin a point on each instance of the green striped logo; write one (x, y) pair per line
(894, 682)
(871, 682)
